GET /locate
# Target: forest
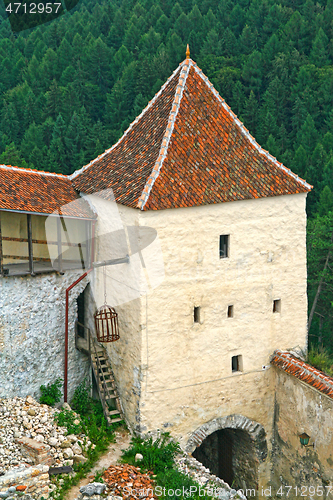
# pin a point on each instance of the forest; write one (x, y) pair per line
(69, 89)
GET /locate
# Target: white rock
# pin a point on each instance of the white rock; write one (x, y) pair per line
(68, 453)
(77, 449)
(138, 457)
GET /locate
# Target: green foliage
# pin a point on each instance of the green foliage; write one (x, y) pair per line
(82, 401)
(81, 470)
(70, 88)
(93, 422)
(66, 418)
(51, 393)
(320, 276)
(93, 425)
(98, 477)
(159, 458)
(158, 454)
(320, 358)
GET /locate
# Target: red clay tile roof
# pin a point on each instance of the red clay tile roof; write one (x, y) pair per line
(39, 192)
(187, 148)
(301, 370)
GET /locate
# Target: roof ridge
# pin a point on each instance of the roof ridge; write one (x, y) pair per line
(32, 171)
(245, 131)
(107, 151)
(185, 68)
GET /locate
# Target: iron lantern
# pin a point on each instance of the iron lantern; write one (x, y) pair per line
(304, 439)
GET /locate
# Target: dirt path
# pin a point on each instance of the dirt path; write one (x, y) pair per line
(111, 456)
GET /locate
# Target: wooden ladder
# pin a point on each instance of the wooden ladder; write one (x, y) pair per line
(105, 382)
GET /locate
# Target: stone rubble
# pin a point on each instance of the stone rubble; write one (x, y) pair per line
(119, 479)
(25, 417)
(193, 468)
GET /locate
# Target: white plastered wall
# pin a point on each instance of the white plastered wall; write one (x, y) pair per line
(175, 374)
(125, 289)
(189, 380)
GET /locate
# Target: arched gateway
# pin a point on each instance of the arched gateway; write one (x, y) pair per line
(232, 448)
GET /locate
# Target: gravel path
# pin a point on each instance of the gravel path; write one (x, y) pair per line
(110, 457)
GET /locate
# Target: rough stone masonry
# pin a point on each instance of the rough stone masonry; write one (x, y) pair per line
(32, 333)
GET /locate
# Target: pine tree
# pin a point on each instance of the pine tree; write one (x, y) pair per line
(300, 162)
(183, 27)
(272, 146)
(237, 20)
(228, 43)
(12, 156)
(319, 52)
(211, 45)
(54, 100)
(307, 135)
(252, 72)
(250, 113)
(325, 204)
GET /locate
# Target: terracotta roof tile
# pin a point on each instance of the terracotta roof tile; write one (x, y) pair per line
(187, 148)
(126, 167)
(303, 371)
(39, 192)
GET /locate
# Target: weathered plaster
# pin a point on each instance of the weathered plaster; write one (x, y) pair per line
(300, 408)
(125, 290)
(189, 380)
(33, 324)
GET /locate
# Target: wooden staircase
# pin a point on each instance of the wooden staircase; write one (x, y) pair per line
(106, 385)
(104, 377)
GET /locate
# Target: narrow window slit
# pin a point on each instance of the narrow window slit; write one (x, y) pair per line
(196, 315)
(277, 306)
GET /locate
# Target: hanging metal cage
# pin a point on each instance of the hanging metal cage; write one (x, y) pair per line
(106, 323)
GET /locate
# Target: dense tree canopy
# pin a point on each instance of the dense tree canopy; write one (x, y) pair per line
(69, 88)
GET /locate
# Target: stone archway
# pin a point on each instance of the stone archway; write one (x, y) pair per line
(232, 448)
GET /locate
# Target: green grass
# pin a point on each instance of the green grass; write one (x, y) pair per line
(321, 359)
(159, 459)
(94, 425)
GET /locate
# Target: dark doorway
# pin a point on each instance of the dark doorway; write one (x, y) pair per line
(230, 455)
(225, 456)
(80, 314)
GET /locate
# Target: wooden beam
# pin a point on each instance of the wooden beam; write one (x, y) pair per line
(59, 245)
(30, 247)
(25, 257)
(42, 242)
(87, 231)
(66, 469)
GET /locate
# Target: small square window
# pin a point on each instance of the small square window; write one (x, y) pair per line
(196, 315)
(277, 306)
(224, 246)
(230, 313)
(237, 363)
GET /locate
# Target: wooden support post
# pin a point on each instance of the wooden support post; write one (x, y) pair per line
(59, 245)
(1, 253)
(88, 242)
(31, 257)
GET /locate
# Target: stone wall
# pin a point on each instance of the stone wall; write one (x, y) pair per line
(300, 408)
(33, 481)
(125, 290)
(32, 326)
(188, 380)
